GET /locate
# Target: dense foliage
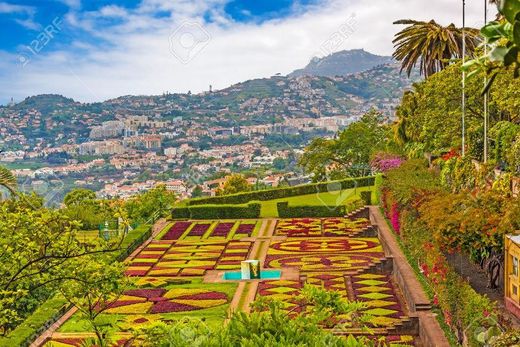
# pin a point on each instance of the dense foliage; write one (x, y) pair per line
(429, 116)
(235, 183)
(150, 205)
(432, 220)
(349, 153)
(503, 38)
(39, 249)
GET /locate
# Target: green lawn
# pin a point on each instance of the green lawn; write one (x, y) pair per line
(329, 198)
(334, 198)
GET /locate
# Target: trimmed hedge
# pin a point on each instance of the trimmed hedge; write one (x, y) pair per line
(286, 211)
(285, 192)
(251, 210)
(366, 197)
(133, 240)
(37, 322)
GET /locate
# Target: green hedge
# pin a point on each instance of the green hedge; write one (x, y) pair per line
(280, 193)
(286, 211)
(251, 210)
(51, 310)
(36, 323)
(366, 197)
(133, 240)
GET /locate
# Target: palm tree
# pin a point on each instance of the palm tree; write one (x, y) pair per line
(8, 180)
(431, 45)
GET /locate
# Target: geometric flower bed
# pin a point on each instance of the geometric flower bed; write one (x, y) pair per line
(183, 230)
(328, 245)
(167, 273)
(299, 227)
(348, 255)
(222, 229)
(158, 300)
(173, 299)
(245, 229)
(330, 255)
(379, 294)
(176, 231)
(343, 226)
(199, 229)
(188, 258)
(314, 227)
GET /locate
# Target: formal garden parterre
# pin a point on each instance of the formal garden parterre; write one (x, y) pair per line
(168, 280)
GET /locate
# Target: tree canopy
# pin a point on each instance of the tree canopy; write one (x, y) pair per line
(349, 153)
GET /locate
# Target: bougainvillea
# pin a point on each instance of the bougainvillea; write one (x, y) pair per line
(394, 218)
(382, 162)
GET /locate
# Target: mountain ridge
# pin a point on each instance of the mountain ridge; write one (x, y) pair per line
(342, 63)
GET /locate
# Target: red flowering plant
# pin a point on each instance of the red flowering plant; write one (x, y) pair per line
(453, 153)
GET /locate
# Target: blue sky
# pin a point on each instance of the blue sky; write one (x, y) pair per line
(99, 49)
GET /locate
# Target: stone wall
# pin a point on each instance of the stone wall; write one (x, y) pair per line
(430, 331)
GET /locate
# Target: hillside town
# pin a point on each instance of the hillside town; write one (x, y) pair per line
(126, 145)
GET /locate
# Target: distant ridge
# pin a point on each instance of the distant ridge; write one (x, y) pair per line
(342, 63)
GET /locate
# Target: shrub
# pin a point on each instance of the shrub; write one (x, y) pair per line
(36, 323)
(280, 193)
(251, 210)
(431, 221)
(366, 197)
(56, 306)
(286, 211)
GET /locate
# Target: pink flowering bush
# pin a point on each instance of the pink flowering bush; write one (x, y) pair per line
(394, 218)
(383, 162)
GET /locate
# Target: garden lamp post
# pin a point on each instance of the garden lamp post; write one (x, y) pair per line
(485, 95)
(463, 77)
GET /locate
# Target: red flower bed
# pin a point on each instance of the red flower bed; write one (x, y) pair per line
(119, 303)
(136, 272)
(176, 231)
(246, 229)
(168, 306)
(204, 296)
(137, 263)
(222, 229)
(146, 293)
(148, 256)
(199, 229)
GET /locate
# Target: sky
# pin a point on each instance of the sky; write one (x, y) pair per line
(94, 50)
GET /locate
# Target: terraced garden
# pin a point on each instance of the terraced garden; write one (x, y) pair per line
(179, 271)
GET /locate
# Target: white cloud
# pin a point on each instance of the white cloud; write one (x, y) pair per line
(140, 61)
(74, 4)
(27, 12)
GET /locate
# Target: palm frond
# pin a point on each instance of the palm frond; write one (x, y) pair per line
(8, 180)
(431, 45)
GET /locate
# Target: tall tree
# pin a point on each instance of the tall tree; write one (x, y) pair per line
(349, 153)
(235, 183)
(431, 45)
